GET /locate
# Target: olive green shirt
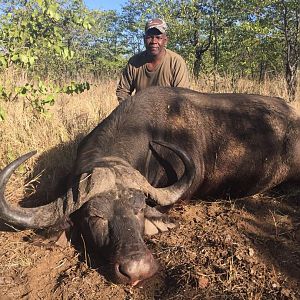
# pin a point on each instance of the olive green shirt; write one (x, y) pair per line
(172, 71)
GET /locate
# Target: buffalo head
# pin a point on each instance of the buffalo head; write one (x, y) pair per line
(110, 206)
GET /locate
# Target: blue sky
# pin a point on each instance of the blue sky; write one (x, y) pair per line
(105, 4)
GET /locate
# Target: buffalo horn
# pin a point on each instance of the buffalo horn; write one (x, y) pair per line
(37, 217)
(169, 195)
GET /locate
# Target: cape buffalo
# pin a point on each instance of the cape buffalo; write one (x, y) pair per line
(158, 146)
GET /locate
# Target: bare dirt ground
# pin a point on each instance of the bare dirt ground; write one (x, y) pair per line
(244, 249)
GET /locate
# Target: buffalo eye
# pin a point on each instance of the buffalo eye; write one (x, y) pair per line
(138, 210)
(98, 230)
(98, 222)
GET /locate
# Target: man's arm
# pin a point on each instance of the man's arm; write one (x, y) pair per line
(125, 86)
(180, 73)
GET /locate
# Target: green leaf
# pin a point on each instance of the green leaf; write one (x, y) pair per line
(86, 24)
(23, 90)
(58, 49)
(52, 12)
(3, 61)
(2, 114)
(2, 91)
(24, 58)
(31, 60)
(49, 100)
(67, 53)
(15, 57)
(40, 2)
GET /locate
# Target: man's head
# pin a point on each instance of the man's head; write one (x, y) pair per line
(155, 37)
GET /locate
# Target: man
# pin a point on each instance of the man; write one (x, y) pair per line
(154, 66)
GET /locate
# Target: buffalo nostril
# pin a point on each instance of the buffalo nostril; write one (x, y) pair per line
(122, 269)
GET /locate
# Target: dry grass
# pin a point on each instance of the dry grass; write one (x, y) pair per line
(55, 135)
(23, 131)
(230, 84)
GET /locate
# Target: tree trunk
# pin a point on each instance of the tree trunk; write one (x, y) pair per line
(291, 28)
(291, 80)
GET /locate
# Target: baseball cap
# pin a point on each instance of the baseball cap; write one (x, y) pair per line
(159, 24)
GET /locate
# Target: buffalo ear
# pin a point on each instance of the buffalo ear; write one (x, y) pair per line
(156, 222)
(150, 228)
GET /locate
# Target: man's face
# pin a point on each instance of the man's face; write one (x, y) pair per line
(155, 42)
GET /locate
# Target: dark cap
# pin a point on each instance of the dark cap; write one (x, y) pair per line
(158, 24)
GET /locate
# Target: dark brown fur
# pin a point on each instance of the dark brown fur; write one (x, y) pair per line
(241, 144)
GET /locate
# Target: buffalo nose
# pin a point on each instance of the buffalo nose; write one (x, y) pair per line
(136, 269)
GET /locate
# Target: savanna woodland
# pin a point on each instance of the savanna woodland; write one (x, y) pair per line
(59, 66)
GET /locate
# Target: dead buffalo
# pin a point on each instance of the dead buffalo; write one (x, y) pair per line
(157, 147)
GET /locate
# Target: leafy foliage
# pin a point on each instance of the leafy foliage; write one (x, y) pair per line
(239, 37)
(61, 39)
(36, 38)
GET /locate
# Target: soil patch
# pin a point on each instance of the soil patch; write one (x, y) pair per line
(244, 249)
